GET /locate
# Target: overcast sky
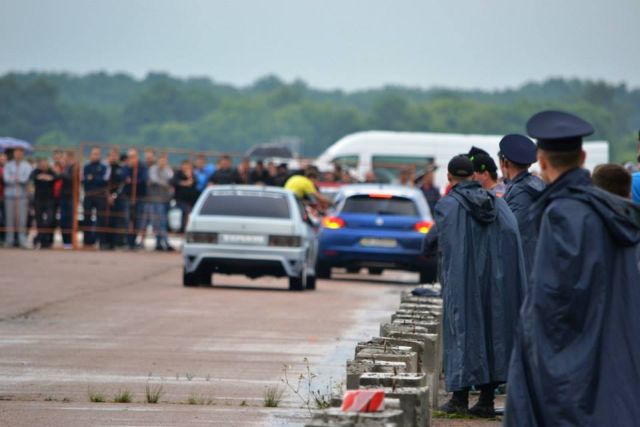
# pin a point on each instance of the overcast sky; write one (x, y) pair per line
(344, 44)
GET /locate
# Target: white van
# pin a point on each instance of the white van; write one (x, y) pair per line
(385, 152)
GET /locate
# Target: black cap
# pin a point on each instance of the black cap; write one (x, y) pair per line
(460, 166)
(518, 149)
(475, 151)
(558, 131)
(484, 162)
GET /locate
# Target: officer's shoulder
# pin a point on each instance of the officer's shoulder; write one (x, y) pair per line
(535, 183)
(567, 209)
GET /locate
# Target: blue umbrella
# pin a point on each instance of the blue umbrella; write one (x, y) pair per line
(6, 142)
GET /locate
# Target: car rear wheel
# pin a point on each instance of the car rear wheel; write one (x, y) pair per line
(323, 271)
(375, 271)
(353, 270)
(296, 283)
(206, 279)
(428, 275)
(311, 283)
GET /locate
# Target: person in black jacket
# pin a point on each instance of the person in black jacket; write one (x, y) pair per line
(95, 180)
(43, 178)
(225, 172)
(115, 207)
(185, 191)
(70, 169)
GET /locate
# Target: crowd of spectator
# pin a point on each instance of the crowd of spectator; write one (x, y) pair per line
(121, 195)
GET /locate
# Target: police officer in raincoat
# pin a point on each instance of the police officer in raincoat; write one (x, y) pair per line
(576, 359)
(483, 282)
(517, 153)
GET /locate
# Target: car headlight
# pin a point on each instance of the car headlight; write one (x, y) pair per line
(289, 241)
(200, 237)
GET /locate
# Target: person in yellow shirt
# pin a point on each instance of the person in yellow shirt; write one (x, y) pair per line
(304, 188)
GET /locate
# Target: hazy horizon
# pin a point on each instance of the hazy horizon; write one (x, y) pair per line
(492, 45)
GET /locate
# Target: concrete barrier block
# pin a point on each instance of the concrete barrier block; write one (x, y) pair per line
(416, 345)
(333, 417)
(431, 326)
(414, 402)
(355, 369)
(390, 380)
(380, 353)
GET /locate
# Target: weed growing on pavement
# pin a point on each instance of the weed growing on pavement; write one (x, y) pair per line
(244, 403)
(272, 396)
(189, 376)
(96, 397)
(311, 398)
(123, 396)
(153, 393)
(195, 399)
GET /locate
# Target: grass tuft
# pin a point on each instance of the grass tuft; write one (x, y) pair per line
(123, 396)
(272, 396)
(97, 397)
(153, 393)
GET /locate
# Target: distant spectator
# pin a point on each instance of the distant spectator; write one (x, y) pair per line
(346, 177)
(370, 177)
(160, 193)
(406, 177)
(282, 175)
(68, 175)
(429, 189)
(635, 185)
(225, 173)
(612, 178)
(202, 171)
(95, 176)
(328, 177)
(185, 191)
(135, 176)
(244, 172)
(115, 206)
(16, 175)
(149, 157)
(260, 175)
(44, 178)
(3, 162)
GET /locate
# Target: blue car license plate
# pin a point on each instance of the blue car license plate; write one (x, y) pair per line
(373, 242)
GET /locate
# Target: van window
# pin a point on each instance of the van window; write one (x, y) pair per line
(347, 161)
(387, 168)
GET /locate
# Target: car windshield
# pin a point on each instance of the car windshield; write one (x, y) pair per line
(246, 204)
(380, 205)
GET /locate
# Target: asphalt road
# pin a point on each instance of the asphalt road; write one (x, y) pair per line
(79, 323)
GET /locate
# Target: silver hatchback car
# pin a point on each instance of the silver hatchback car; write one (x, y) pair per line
(250, 230)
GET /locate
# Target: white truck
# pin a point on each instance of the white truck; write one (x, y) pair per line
(385, 152)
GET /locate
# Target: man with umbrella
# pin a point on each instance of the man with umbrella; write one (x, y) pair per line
(16, 176)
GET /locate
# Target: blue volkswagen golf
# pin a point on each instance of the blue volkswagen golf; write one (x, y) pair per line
(376, 227)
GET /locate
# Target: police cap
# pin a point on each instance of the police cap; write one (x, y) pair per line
(476, 151)
(558, 130)
(460, 166)
(518, 148)
(484, 162)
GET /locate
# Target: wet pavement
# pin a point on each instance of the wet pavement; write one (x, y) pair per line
(75, 324)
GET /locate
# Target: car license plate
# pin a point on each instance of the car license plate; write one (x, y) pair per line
(243, 239)
(379, 243)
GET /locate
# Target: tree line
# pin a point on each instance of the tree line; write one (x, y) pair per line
(60, 109)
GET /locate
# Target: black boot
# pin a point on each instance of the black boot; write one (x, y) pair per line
(458, 404)
(484, 408)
